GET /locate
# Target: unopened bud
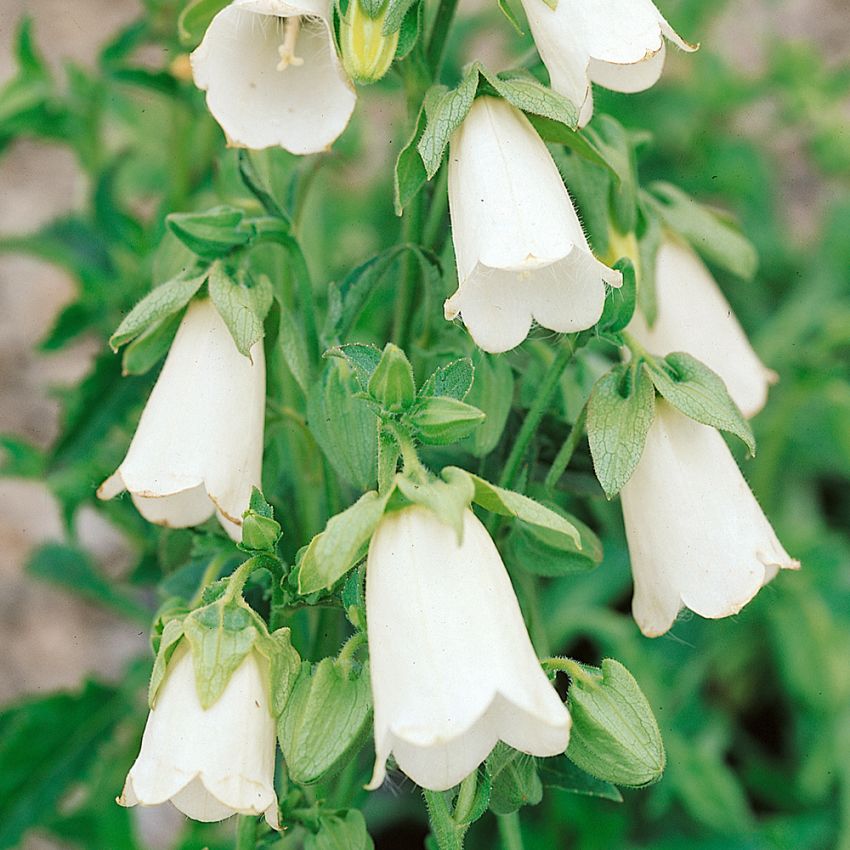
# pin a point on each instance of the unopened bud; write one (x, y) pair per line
(367, 52)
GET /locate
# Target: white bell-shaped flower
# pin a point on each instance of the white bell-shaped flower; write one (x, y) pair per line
(693, 316)
(697, 536)
(272, 75)
(452, 667)
(618, 44)
(210, 763)
(198, 448)
(521, 253)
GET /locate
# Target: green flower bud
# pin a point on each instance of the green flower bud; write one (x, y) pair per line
(367, 52)
(259, 533)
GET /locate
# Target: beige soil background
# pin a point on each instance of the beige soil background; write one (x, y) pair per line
(49, 639)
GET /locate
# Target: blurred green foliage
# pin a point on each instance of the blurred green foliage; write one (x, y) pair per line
(754, 710)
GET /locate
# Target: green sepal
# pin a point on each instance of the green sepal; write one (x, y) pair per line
(515, 781)
(454, 380)
(166, 299)
(167, 644)
(560, 772)
(447, 498)
(284, 665)
(509, 503)
(620, 412)
(713, 235)
(210, 234)
(147, 349)
(334, 551)
(220, 636)
(325, 721)
(260, 530)
(363, 359)
(621, 301)
(614, 736)
(392, 384)
(542, 552)
(441, 421)
(243, 303)
(344, 830)
(691, 387)
(451, 815)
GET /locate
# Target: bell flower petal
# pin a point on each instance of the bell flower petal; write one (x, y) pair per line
(521, 253)
(693, 316)
(199, 445)
(618, 44)
(697, 536)
(210, 763)
(452, 667)
(273, 77)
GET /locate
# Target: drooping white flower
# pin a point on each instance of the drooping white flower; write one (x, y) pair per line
(272, 75)
(693, 316)
(521, 253)
(697, 536)
(452, 667)
(210, 763)
(198, 448)
(618, 44)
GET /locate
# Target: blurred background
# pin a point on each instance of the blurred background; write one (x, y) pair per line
(97, 141)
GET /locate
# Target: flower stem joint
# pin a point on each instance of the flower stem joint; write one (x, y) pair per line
(367, 50)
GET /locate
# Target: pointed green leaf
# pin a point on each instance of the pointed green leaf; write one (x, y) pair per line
(243, 304)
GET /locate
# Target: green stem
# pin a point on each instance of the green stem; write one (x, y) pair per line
(239, 576)
(411, 225)
(433, 228)
(534, 416)
(510, 831)
(439, 34)
(565, 453)
(409, 456)
(246, 832)
(635, 347)
(572, 668)
(345, 659)
(466, 797)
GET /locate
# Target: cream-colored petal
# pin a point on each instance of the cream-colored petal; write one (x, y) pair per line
(211, 763)
(693, 316)
(697, 536)
(521, 252)
(199, 443)
(628, 78)
(303, 108)
(452, 668)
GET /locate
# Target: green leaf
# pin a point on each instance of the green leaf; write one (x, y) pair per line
(710, 233)
(692, 388)
(165, 645)
(392, 384)
(243, 304)
(506, 9)
(614, 735)
(649, 234)
(454, 380)
(46, 746)
(362, 358)
(610, 137)
(144, 352)
(443, 421)
(445, 113)
(621, 301)
(210, 234)
(541, 552)
(20, 459)
(334, 551)
(195, 18)
(409, 175)
(285, 665)
(396, 12)
(325, 721)
(560, 772)
(293, 344)
(410, 30)
(345, 427)
(342, 831)
(492, 392)
(509, 503)
(515, 782)
(165, 300)
(73, 570)
(260, 530)
(448, 498)
(620, 411)
(558, 133)
(220, 636)
(528, 94)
